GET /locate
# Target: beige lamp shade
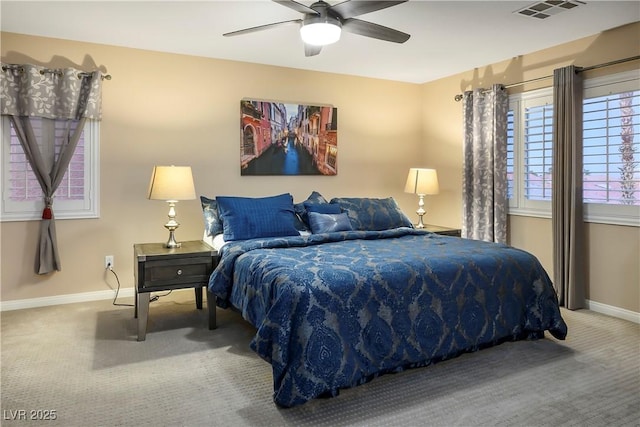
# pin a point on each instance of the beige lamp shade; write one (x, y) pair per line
(422, 181)
(171, 183)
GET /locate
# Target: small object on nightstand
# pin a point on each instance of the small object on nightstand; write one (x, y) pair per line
(421, 182)
(171, 183)
(158, 268)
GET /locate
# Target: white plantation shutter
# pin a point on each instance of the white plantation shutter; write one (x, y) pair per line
(609, 121)
(511, 161)
(76, 196)
(529, 142)
(611, 150)
(538, 128)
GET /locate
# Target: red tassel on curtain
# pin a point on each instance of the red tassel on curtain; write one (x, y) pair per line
(47, 213)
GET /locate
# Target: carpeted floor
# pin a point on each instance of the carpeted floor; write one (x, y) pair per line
(82, 364)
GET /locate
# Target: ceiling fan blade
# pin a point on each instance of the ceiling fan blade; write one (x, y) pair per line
(262, 27)
(310, 50)
(369, 29)
(298, 7)
(349, 8)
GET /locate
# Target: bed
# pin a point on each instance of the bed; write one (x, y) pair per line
(351, 299)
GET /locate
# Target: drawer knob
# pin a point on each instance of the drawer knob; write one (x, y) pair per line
(179, 272)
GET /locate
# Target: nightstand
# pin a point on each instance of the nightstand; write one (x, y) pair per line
(158, 268)
(445, 231)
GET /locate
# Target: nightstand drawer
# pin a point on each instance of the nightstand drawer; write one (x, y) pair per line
(177, 272)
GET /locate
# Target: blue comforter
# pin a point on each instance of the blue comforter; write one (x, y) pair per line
(336, 310)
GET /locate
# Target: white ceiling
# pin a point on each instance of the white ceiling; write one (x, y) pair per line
(447, 37)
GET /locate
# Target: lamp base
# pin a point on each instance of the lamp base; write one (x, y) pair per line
(171, 243)
(420, 211)
(172, 225)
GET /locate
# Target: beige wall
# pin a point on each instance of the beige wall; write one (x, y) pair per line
(613, 252)
(172, 109)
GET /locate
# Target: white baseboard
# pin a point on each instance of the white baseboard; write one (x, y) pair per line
(64, 299)
(610, 310)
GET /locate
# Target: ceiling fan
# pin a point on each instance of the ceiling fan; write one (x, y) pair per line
(322, 22)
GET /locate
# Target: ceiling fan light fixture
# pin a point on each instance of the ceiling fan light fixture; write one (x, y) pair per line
(321, 33)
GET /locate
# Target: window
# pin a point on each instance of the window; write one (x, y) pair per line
(332, 155)
(611, 150)
(77, 195)
(529, 142)
(510, 156)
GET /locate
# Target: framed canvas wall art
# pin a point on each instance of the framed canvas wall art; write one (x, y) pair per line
(279, 138)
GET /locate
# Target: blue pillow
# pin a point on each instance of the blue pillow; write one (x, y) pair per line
(329, 223)
(212, 221)
(298, 223)
(250, 218)
(301, 211)
(373, 214)
(324, 208)
(317, 197)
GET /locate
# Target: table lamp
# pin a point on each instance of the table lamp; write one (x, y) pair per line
(171, 183)
(421, 182)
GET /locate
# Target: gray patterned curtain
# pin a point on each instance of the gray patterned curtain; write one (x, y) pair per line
(68, 95)
(566, 196)
(484, 181)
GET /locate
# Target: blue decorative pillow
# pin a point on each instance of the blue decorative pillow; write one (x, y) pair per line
(301, 211)
(329, 223)
(323, 208)
(373, 214)
(212, 221)
(250, 218)
(298, 223)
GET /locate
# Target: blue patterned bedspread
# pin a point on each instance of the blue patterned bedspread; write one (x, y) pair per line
(336, 310)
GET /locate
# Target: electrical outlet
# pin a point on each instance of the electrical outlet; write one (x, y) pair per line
(108, 261)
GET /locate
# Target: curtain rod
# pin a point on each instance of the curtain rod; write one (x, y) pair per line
(57, 71)
(459, 96)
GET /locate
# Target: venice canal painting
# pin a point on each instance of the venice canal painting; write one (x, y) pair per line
(288, 139)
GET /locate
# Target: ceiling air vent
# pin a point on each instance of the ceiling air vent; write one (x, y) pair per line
(545, 9)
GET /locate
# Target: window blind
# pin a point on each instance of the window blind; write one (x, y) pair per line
(611, 137)
(23, 183)
(538, 152)
(510, 154)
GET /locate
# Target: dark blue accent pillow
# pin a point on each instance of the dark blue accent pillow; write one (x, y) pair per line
(323, 208)
(373, 214)
(212, 221)
(250, 218)
(298, 223)
(301, 211)
(329, 223)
